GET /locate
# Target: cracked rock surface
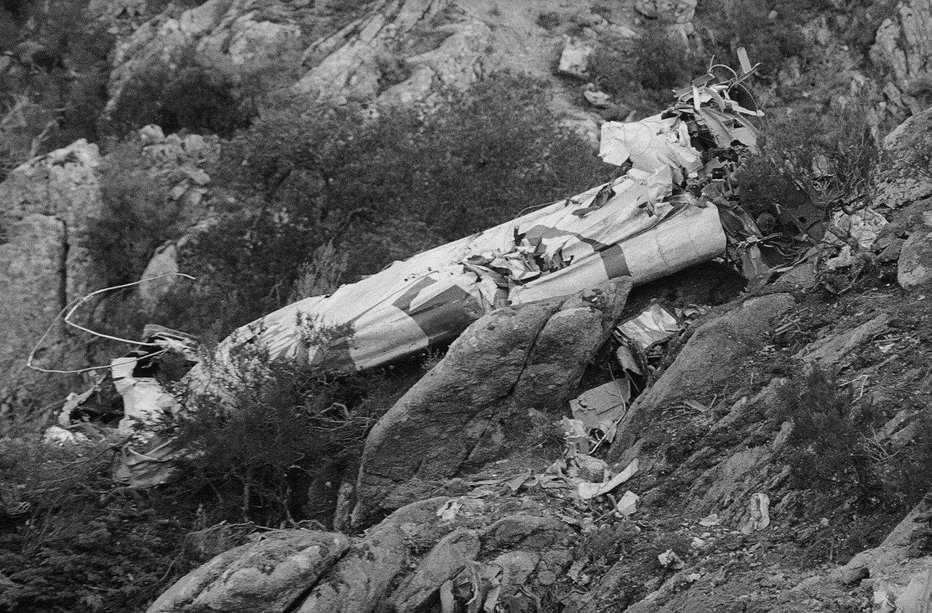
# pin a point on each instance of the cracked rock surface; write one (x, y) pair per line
(474, 405)
(44, 207)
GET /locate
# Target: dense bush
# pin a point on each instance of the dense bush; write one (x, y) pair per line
(826, 438)
(190, 97)
(375, 189)
(812, 163)
(258, 453)
(832, 444)
(136, 218)
(71, 540)
(644, 72)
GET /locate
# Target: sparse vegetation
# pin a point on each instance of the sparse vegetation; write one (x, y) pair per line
(72, 540)
(644, 72)
(136, 218)
(286, 427)
(376, 190)
(832, 445)
(771, 31)
(826, 437)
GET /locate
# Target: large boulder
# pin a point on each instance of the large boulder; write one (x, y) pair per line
(44, 266)
(361, 579)
(447, 559)
(914, 267)
(404, 51)
(713, 355)
(235, 36)
(475, 542)
(382, 53)
(904, 43)
(269, 576)
(904, 173)
(900, 569)
(474, 404)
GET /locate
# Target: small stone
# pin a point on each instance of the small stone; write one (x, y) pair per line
(853, 576)
(574, 60)
(598, 99)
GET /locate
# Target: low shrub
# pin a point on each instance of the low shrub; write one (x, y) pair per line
(833, 445)
(826, 441)
(259, 453)
(286, 429)
(905, 473)
(73, 540)
(770, 30)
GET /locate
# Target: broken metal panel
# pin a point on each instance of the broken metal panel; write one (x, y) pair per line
(602, 407)
(653, 325)
(145, 401)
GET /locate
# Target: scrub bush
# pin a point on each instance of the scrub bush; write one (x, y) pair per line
(136, 218)
(833, 445)
(644, 72)
(376, 189)
(825, 442)
(191, 97)
(812, 163)
(770, 30)
(73, 540)
(258, 453)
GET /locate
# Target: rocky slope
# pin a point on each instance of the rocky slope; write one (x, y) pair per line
(468, 497)
(702, 447)
(399, 52)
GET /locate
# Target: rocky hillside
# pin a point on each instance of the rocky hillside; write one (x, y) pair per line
(772, 446)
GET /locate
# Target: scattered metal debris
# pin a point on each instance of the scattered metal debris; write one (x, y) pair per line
(759, 509)
(654, 325)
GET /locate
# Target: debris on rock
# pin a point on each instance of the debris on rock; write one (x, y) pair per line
(56, 435)
(627, 504)
(654, 325)
(863, 226)
(602, 407)
(591, 490)
(597, 98)
(669, 559)
(759, 509)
